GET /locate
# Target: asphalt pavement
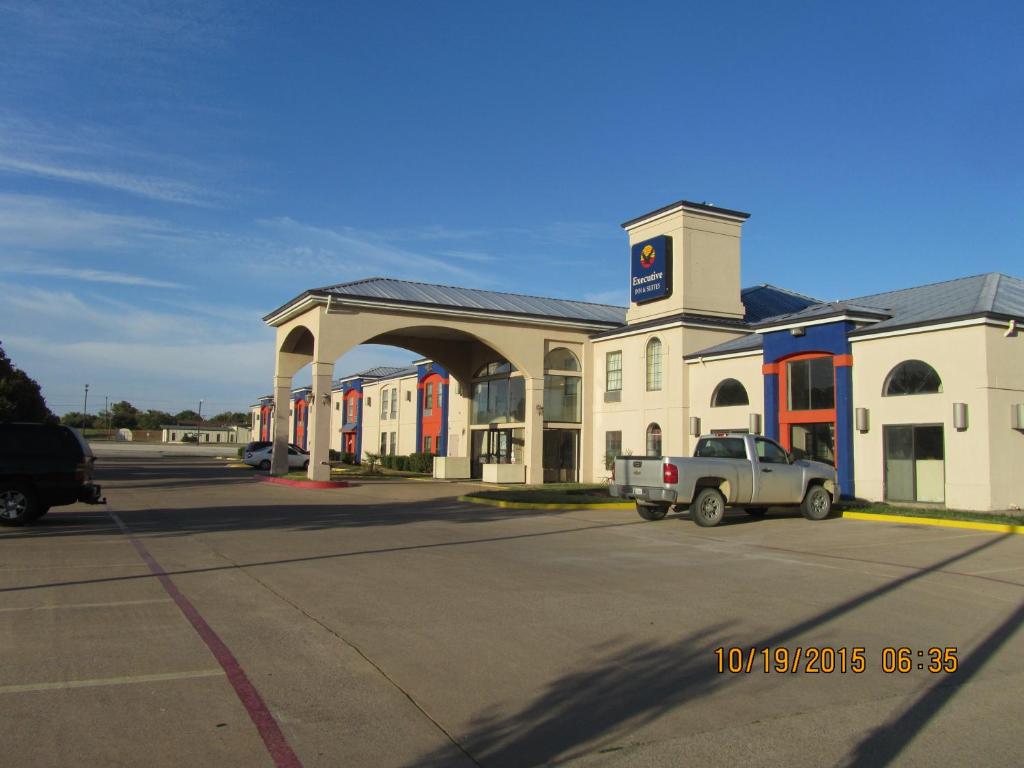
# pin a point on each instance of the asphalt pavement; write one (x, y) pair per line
(207, 618)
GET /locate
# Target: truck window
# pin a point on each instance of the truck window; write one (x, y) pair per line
(720, 448)
(769, 453)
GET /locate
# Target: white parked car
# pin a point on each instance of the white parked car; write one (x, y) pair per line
(261, 457)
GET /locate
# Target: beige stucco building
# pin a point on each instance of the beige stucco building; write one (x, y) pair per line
(914, 395)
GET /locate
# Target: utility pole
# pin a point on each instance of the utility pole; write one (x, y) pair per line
(199, 427)
(106, 409)
(85, 404)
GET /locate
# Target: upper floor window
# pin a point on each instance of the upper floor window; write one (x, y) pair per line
(729, 392)
(394, 402)
(654, 365)
(811, 383)
(912, 377)
(613, 371)
(499, 394)
(563, 396)
(383, 403)
(351, 410)
(428, 399)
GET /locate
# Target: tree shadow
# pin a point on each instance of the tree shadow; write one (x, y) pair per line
(580, 711)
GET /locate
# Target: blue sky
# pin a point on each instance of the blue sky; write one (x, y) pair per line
(170, 172)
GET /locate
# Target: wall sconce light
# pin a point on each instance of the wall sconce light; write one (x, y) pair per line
(960, 416)
(695, 426)
(539, 408)
(1017, 416)
(797, 332)
(755, 423)
(860, 416)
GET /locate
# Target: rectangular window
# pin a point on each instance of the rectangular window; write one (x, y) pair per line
(394, 402)
(428, 399)
(383, 443)
(562, 401)
(337, 405)
(811, 384)
(383, 404)
(654, 368)
(351, 410)
(915, 467)
(394, 442)
(428, 444)
(499, 400)
(613, 372)
(612, 447)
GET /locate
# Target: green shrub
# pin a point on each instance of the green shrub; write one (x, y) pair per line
(421, 462)
(241, 451)
(333, 455)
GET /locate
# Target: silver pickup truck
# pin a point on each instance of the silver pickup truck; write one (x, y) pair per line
(745, 471)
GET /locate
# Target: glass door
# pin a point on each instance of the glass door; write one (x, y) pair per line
(915, 466)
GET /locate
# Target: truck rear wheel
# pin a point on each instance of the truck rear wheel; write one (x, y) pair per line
(708, 507)
(817, 503)
(651, 511)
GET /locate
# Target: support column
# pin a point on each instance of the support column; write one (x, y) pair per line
(319, 440)
(533, 451)
(279, 434)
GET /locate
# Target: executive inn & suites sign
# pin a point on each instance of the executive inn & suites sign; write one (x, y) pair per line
(651, 271)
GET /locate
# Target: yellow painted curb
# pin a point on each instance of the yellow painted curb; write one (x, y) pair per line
(531, 505)
(237, 465)
(970, 525)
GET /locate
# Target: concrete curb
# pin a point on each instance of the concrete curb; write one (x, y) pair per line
(968, 524)
(307, 483)
(530, 505)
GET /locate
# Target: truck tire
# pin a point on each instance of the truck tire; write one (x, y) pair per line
(817, 503)
(18, 503)
(708, 507)
(756, 511)
(651, 511)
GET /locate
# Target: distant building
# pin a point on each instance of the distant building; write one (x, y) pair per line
(206, 433)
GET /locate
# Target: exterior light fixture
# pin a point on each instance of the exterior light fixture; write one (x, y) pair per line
(960, 416)
(755, 424)
(695, 426)
(797, 332)
(1017, 416)
(861, 418)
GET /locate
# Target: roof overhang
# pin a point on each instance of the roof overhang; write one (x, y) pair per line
(860, 318)
(687, 205)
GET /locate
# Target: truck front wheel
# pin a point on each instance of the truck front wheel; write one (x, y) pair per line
(651, 511)
(708, 507)
(817, 503)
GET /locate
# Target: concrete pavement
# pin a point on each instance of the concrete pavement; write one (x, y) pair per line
(390, 625)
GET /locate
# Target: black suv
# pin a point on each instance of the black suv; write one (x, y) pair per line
(43, 466)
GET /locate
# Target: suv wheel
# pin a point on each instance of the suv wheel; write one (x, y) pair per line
(18, 504)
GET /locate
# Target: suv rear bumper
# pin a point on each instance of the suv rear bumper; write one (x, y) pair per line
(91, 493)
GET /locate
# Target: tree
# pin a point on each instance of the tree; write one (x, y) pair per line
(231, 417)
(154, 419)
(78, 419)
(123, 415)
(20, 396)
(186, 417)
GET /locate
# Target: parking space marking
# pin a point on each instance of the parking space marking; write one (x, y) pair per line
(115, 604)
(100, 681)
(266, 724)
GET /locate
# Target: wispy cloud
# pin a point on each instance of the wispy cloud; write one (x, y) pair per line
(87, 275)
(152, 187)
(616, 298)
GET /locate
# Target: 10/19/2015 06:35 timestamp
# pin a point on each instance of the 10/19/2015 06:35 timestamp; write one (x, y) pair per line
(828, 660)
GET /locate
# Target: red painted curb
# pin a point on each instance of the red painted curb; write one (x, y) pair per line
(307, 483)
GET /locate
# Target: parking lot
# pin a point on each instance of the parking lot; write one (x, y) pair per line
(206, 618)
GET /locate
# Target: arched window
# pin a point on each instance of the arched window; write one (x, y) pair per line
(494, 369)
(653, 440)
(729, 392)
(912, 377)
(563, 399)
(499, 394)
(654, 365)
(561, 359)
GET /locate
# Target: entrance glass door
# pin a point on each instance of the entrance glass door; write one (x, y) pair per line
(561, 455)
(915, 466)
(490, 446)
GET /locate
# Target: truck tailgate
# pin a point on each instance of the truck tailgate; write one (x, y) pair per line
(639, 471)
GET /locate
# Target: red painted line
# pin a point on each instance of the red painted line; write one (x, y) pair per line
(269, 730)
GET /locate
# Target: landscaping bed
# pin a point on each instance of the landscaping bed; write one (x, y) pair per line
(935, 513)
(549, 493)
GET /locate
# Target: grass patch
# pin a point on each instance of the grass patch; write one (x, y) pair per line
(550, 493)
(935, 513)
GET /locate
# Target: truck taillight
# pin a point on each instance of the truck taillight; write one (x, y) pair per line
(670, 474)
